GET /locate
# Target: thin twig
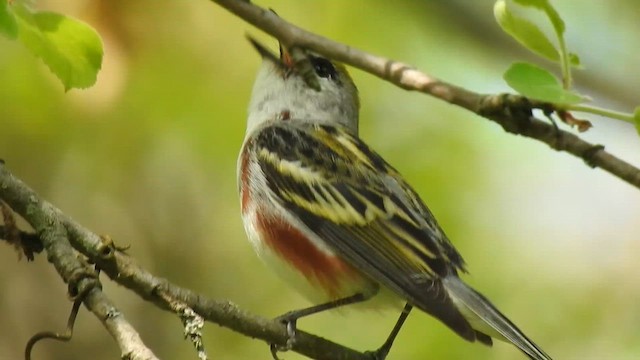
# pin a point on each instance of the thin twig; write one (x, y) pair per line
(65, 336)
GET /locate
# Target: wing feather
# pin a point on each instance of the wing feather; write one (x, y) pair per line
(364, 210)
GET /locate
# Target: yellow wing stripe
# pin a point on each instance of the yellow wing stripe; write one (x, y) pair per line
(371, 212)
(353, 149)
(342, 144)
(332, 205)
(392, 208)
(328, 174)
(292, 168)
(409, 253)
(335, 209)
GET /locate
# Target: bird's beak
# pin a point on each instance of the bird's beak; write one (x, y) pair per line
(284, 61)
(285, 57)
(286, 64)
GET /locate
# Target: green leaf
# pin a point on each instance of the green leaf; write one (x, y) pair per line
(71, 49)
(555, 18)
(537, 83)
(545, 5)
(636, 118)
(524, 31)
(540, 4)
(8, 25)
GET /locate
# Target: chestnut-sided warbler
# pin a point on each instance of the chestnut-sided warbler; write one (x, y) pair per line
(336, 220)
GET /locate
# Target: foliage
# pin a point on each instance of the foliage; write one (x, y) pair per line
(535, 82)
(70, 48)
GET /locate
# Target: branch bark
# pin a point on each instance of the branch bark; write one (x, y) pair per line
(82, 279)
(513, 113)
(62, 237)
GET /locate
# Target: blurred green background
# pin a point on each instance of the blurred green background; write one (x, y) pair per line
(148, 156)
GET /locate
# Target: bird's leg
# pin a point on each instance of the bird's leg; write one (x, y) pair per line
(382, 352)
(290, 318)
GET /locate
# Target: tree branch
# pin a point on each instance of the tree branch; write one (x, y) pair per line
(512, 112)
(125, 335)
(82, 279)
(121, 268)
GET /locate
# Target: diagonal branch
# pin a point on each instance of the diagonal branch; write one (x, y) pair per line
(121, 268)
(497, 108)
(82, 279)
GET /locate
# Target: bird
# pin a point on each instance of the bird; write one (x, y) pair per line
(338, 222)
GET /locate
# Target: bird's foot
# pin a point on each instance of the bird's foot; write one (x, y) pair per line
(380, 354)
(290, 321)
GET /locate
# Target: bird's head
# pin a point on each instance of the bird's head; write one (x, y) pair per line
(283, 91)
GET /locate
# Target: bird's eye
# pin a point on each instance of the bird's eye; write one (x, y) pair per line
(323, 67)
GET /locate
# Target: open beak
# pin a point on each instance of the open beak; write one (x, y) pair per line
(285, 57)
(287, 65)
(284, 61)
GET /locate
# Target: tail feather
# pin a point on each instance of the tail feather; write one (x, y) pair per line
(486, 319)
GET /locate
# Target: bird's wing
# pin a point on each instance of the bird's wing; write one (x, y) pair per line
(350, 198)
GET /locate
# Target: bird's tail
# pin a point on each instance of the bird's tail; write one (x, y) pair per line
(485, 318)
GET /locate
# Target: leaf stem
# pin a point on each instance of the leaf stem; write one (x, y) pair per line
(558, 26)
(564, 63)
(600, 111)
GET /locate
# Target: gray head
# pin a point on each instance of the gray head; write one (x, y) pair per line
(281, 93)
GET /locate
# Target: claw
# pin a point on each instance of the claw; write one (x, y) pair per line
(290, 323)
(291, 333)
(290, 319)
(274, 351)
